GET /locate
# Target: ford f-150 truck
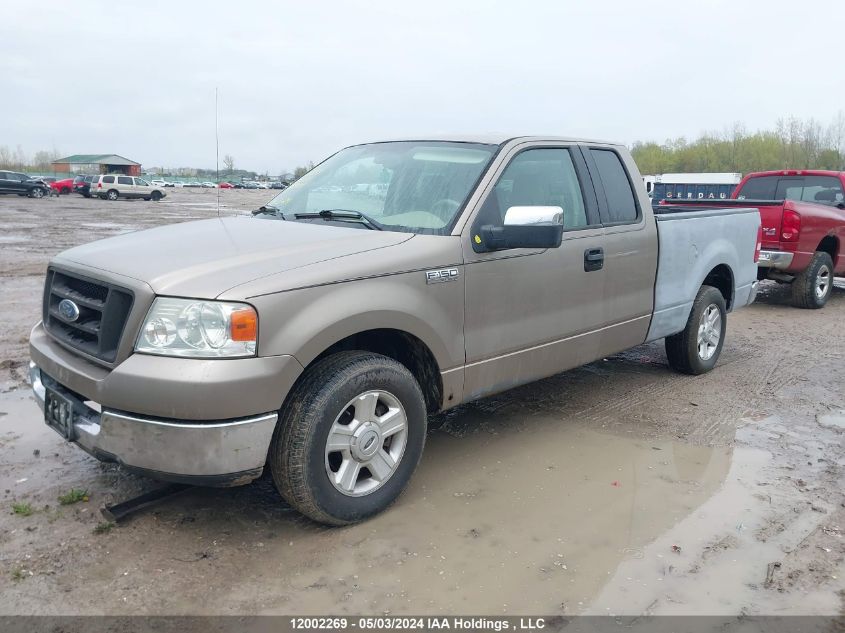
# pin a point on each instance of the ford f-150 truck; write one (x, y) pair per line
(394, 280)
(803, 228)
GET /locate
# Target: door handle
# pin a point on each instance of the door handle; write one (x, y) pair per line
(593, 259)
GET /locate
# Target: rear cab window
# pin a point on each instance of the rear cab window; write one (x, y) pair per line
(762, 188)
(818, 189)
(621, 206)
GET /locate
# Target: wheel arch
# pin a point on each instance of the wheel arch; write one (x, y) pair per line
(403, 347)
(721, 277)
(829, 245)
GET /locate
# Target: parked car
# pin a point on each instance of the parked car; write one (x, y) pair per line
(160, 183)
(22, 185)
(225, 185)
(116, 186)
(371, 319)
(45, 183)
(208, 185)
(64, 186)
(803, 228)
(82, 185)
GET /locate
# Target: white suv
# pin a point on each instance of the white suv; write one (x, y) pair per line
(115, 186)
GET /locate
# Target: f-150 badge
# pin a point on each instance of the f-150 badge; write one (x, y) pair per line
(441, 275)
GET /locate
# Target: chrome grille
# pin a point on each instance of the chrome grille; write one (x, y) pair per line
(103, 311)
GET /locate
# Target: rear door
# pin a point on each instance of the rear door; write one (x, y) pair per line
(630, 249)
(531, 313)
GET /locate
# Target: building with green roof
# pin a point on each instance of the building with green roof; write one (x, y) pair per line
(96, 164)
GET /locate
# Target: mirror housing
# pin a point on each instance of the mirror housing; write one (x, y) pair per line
(524, 227)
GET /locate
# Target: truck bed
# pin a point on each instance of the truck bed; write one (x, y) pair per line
(691, 244)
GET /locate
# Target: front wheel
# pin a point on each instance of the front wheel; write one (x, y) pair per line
(37, 193)
(812, 287)
(156, 196)
(349, 437)
(696, 349)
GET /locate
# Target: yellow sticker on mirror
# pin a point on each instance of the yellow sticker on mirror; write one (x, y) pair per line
(477, 239)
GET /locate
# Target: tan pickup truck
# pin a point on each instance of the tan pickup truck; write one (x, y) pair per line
(393, 281)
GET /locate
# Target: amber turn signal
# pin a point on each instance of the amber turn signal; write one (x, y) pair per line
(244, 325)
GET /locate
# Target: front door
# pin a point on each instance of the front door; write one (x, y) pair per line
(125, 187)
(143, 188)
(531, 313)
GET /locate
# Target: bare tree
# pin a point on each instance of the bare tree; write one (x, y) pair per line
(229, 162)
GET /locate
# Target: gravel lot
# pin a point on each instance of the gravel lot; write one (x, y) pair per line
(619, 487)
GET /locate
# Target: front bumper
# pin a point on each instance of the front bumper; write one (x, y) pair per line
(219, 453)
(780, 260)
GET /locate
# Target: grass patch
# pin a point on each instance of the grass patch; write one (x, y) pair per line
(22, 509)
(74, 496)
(18, 574)
(103, 528)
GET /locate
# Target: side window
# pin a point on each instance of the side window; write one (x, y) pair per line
(537, 178)
(108, 180)
(621, 204)
(124, 180)
(142, 183)
(762, 188)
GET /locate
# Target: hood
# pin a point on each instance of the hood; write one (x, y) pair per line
(205, 258)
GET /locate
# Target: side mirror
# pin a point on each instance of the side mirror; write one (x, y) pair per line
(524, 227)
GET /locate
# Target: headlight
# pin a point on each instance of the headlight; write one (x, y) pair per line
(198, 329)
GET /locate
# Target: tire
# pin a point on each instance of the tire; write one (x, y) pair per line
(812, 288)
(696, 349)
(112, 194)
(65, 191)
(326, 399)
(37, 192)
(156, 196)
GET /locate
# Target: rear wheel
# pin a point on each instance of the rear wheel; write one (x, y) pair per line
(65, 190)
(112, 194)
(812, 287)
(696, 349)
(349, 437)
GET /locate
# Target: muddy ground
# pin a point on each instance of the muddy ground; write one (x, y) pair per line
(617, 488)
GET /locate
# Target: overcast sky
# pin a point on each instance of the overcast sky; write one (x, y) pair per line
(299, 80)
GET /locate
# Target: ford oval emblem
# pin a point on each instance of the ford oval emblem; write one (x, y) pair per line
(68, 310)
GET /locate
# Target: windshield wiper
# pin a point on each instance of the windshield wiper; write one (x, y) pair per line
(343, 215)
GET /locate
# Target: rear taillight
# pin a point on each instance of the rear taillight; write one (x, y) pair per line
(99, 185)
(790, 226)
(759, 246)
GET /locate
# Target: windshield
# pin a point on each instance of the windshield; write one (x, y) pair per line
(412, 186)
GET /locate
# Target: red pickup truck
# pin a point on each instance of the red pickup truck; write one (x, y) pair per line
(803, 218)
